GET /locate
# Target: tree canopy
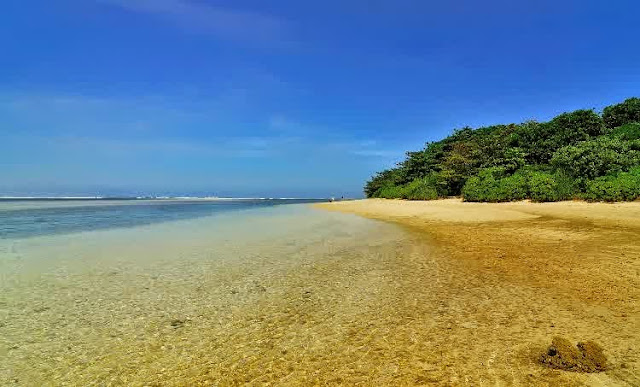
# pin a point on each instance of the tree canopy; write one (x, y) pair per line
(579, 154)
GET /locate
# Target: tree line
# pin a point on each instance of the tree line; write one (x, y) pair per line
(576, 155)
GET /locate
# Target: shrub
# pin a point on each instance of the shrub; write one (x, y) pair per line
(568, 187)
(449, 182)
(439, 182)
(536, 140)
(543, 187)
(590, 159)
(622, 113)
(381, 180)
(474, 190)
(422, 163)
(491, 185)
(627, 132)
(541, 140)
(420, 189)
(615, 187)
(512, 160)
(390, 192)
(512, 188)
(579, 125)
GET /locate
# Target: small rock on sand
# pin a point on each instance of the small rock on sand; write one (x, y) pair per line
(585, 357)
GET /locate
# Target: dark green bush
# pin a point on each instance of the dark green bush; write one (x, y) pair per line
(568, 187)
(536, 140)
(627, 132)
(512, 188)
(543, 187)
(439, 182)
(615, 187)
(481, 188)
(475, 189)
(540, 140)
(580, 125)
(547, 187)
(420, 189)
(590, 159)
(491, 185)
(424, 162)
(384, 179)
(390, 192)
(512, 159)
(622, 113)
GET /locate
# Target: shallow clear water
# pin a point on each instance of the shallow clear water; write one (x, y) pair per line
(276, 295)
(26, 218)
(236, 297)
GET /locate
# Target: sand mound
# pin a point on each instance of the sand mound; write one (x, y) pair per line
(585, 357)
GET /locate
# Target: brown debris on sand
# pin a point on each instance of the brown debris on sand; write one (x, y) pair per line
(585, 357)
(593, 355)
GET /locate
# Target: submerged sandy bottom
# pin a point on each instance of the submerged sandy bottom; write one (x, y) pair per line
(515, 275)
(287, 296)
(284, 295)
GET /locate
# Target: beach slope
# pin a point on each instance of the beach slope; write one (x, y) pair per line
(522, 273)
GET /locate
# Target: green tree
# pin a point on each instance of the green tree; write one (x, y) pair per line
(590, 159)
(622, 113)
(384, 179)
(555, 160)
(541, 140)
(627, 132)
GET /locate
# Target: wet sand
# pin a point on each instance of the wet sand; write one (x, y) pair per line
(302, 296)
(513, 276)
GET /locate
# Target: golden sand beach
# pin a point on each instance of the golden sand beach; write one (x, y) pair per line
(438, 293)
(517, 275)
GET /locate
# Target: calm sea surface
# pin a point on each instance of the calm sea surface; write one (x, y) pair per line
(194, 292)
(26, 218)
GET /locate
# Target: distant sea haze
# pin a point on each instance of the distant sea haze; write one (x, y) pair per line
(148, 198)
(27, 217)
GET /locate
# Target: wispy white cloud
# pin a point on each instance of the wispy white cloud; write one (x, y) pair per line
(222, 22)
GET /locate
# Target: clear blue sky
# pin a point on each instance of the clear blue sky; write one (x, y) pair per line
(283, 98)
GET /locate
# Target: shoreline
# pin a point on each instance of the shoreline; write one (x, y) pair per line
(302, 296)
(451, 209)
(579, 258)
(544, 243)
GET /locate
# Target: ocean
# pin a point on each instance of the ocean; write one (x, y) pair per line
(193, 292)
(33, 217)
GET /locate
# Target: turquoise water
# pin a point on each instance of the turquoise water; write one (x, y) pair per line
(27, 218)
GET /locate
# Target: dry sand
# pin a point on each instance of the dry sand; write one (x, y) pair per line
(504, 279)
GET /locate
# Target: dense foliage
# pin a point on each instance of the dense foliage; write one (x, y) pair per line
(579, 154)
